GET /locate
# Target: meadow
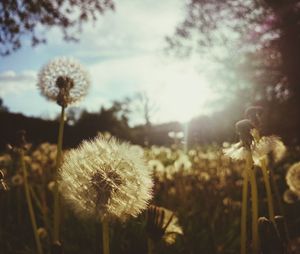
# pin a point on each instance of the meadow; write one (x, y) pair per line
(201, 186)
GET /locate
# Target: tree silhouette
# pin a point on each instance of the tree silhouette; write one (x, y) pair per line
(24, 18)
(261, 39)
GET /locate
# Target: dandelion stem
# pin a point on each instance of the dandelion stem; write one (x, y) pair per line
(268, 189)
(278, 199)
(244, 212)
(58, 163)
(254, 198)
(105, 236)
(150, 246)
(41, 208)
(30, 206)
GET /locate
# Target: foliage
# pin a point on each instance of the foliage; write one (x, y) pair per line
(252, 42)
(24, 19)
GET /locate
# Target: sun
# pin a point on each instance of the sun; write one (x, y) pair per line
(183, 95)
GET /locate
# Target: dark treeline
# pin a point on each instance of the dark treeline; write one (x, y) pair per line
(218, 127)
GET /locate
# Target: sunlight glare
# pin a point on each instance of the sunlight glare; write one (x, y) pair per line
(184, 95)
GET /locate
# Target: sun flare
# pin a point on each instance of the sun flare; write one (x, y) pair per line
(183, 95)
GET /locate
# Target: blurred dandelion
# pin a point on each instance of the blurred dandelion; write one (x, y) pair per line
(42, 233)
(266, 145)
(161, 224)
(17, 180)
(243, 151)
(183, 163)
(156, 165)
(290, 197)
(293, 177)
(51, 185)
(63, 80)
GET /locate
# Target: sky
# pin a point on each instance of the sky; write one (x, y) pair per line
(124, 53)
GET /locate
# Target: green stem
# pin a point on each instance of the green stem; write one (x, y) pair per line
(244, 212)
(254, 198)
(150, 246)
(41, 208)
(278, 199)
(58, 163)
(105, 236)
(30, 206)
(268, 189)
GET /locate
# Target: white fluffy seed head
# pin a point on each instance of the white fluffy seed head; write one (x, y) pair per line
(259, 149)
(63, 80)
(236, 151)
(106, 178)
(293, 178)
(266, 145)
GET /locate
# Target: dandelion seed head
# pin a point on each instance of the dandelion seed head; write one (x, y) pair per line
(236, 151)
(279, 150)
(63, 80)
(156, 166)
(293, 178)
(183, 163)
(105, 178)
(266, 145)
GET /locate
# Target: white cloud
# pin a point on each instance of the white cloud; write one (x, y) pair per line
(15, 83)
(135, 27)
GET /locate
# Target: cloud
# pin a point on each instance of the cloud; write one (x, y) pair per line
(15, 83)
(122, 52)
(136, 27)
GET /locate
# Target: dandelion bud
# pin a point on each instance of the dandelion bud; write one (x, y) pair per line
(269, 238)
(42, 233)
(162, 224)
(243, 128)
(254, 114)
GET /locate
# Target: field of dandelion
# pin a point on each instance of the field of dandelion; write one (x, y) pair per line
(201, 186)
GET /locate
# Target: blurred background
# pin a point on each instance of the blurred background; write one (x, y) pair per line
(170, 73)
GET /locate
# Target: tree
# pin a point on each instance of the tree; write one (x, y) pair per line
(21, 19)
(3, 108)
(262, 39)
